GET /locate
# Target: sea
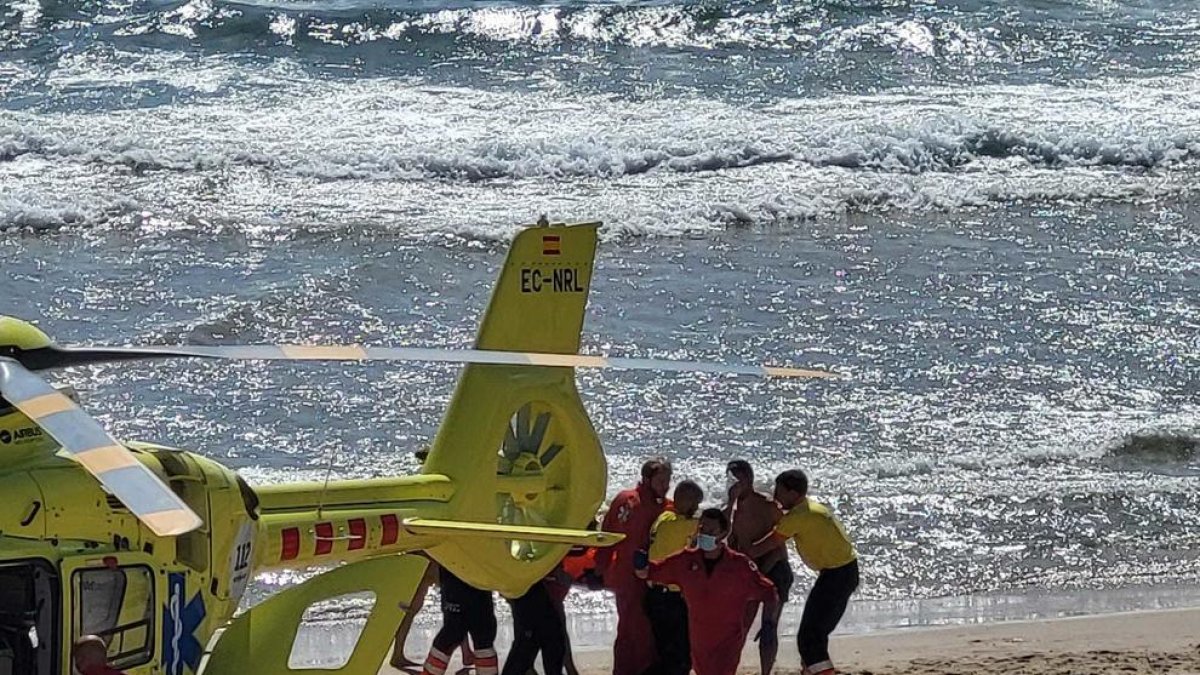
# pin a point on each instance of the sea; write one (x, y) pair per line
(983, 215)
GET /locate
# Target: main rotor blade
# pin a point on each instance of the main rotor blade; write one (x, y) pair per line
(361, 353)
(110, 462)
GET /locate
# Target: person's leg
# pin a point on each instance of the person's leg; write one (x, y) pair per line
(667, 614)
(525, 646)
(656, 612)
(781, 575)
(814, 649)
(823, 610)
(483, 633)
(568, 657)
(550, 630)
(443, 646)
(679, 649)
(399, 660)
(555, 650)
(633, 649)
(455, 608)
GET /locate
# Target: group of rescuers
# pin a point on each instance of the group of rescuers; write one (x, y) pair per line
(688, 583)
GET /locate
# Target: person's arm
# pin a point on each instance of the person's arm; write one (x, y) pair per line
(665, 571)
(730, 501)
(612, 523)
(772, 541)
(767, 594)
(768, 632)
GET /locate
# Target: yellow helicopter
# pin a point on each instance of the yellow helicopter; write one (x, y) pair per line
(152, 547)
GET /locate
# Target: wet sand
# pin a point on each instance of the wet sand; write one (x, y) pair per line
(1166, 641)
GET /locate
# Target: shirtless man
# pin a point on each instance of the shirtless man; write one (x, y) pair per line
(754, 516)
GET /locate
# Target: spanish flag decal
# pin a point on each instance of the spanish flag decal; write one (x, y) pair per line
(551, 244)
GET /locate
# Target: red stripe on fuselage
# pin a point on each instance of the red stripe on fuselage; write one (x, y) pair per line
(391, 529)
(291, 543)
(358, 534)
(324, 538)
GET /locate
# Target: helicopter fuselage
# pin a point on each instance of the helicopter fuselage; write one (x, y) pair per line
(74, 561)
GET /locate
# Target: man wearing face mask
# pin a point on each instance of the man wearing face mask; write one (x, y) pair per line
(632, 513)
(753, 516)
(718, 583)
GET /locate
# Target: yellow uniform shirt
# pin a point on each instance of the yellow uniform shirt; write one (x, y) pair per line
(819, 537)
(671, 533)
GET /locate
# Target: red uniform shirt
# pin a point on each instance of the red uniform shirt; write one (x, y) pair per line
(632, 513)
(716, 604)
(577, 563)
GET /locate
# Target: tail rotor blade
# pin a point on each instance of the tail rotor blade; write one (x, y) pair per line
(539, 432)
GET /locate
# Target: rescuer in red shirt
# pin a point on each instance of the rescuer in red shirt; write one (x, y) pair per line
(718, 584)
(632, 513)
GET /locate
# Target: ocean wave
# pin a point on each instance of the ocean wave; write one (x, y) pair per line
(813, 26)
(38, 213)
(571, 156)
(320, 153)
(1171, 452)
(964, 35)
(953, 151)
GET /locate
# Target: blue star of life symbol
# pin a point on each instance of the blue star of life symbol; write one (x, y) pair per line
(180, 622)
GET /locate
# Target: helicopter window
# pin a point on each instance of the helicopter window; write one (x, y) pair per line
(329, 631)
(118, 605)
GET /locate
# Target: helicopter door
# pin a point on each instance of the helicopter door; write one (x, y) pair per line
(28, 609)
(113, 596)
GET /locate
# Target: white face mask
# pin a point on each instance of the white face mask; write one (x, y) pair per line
(706, 542)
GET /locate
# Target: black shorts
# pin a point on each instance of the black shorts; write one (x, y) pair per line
(781, 575)
(460, 598)
(465, 610)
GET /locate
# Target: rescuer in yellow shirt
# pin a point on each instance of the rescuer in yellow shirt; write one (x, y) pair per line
(823, 546)
(672, 532)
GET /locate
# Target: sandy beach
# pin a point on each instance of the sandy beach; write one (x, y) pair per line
(1165, 641)
(1160, 641)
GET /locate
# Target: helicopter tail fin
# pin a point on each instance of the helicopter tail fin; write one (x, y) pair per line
(540, 299)
(516, 441)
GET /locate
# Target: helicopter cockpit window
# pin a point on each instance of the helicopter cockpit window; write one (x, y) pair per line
(118, 605)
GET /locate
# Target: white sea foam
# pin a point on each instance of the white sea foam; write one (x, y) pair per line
(50, 213)
(267, 151)
(401, 130)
